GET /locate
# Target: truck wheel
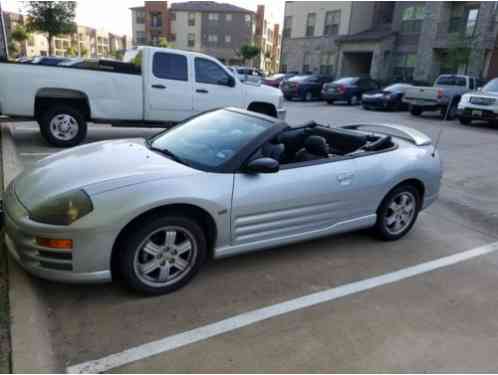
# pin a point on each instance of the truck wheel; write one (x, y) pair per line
(464, 120)
(415, 111)
(63, 126)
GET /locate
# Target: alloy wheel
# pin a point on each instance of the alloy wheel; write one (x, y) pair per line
(165, 256)
(400, 213)
(64, 127)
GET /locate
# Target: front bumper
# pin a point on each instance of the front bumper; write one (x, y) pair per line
(87, 262)
(477, 113)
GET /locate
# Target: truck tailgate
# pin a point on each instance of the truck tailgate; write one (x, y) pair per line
(422, 94)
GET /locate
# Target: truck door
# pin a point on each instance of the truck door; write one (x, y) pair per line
(214, 87)
(168, 91)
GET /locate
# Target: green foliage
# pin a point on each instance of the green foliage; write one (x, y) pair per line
(13, 49)
(51, 17)
(83, 52)
(163, 43)
(249, 51)
(20, 34)
(72, 52)
(118, 55)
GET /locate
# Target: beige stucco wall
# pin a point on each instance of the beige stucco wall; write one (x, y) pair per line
(181, 28)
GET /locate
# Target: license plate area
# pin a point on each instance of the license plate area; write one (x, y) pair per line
(476, 113)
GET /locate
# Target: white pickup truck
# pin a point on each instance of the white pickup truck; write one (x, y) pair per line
(158, 87)
(443, 96)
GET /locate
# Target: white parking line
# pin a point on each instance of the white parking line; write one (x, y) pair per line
(239, 321)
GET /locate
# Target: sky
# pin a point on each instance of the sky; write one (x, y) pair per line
(115, 16)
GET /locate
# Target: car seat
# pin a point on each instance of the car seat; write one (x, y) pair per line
(315, 148)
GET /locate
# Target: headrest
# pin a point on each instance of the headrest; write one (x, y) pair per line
(317, 145)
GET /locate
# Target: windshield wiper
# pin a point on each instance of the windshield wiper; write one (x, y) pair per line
(168, 153)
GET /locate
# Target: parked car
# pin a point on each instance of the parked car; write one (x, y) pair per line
(153, 210)
(481, 105)
(443, 96)
(348, 89)
(163, 86)
(49, 60)
(390, 97)
(276, 79)
(248, 74)
(305, 87)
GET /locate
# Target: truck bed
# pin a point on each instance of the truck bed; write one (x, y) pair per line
(108, 92)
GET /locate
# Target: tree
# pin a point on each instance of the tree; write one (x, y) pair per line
(248, 52)
(51, 17)
(13, 49)
(72, 52)
(19, 35)
(118, 54)
(163, 43)
(83, 52)
(459, 52)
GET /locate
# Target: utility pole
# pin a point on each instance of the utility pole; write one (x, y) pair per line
(3, 37)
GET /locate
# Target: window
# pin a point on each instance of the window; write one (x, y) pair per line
(170, 66)
(172, 16)
(156, 20)
(191, 19)
(191, 40)
(411, 19)
(286, 33)
(207, 71)
(310, 24)
(140, 37)
(450, 80)
(213, 17)
(140, 17)
(327, 63)
(306, 63)
(172, 37)
(228, 17)
(247, 18)
(470, 26)
(332, 22)
(405, 66)
(228, 38)
(213, 38)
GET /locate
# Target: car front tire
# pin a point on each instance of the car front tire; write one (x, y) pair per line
(415, 111)
(397, 213)
(63, 126)
(162, 254)
(465, 120)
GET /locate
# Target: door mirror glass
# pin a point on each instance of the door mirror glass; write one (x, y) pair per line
(263, 165)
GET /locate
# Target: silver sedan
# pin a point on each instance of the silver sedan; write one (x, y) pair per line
(222, 183)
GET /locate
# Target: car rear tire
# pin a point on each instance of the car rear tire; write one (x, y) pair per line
(353, 100)
(330, 102)
(397, 213)
(162, 254)
(415, 111)
(63, 126)
(308, 97)
(465, 120)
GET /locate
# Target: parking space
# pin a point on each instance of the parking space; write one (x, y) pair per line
(425, 322)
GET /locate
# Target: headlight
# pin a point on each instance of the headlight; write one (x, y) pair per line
(64, 209)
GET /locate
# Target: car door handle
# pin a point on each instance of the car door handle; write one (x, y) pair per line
(345, 178)
(161, 87)
(202, 91)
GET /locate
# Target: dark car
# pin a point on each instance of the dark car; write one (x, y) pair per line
(348, 89)
(49, 60)
(391, 97)
(276, 79)
(305, 87)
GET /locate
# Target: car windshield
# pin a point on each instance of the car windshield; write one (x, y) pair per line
(299, 78)
(491, 86)
(396, 87)
(276, 76)
(346, 81)
(210, 140)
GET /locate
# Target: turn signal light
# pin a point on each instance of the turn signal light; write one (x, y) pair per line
(55, 244)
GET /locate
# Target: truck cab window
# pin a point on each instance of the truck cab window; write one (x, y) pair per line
(170, 66)
(207, 71)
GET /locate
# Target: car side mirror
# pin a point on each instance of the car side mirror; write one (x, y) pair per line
(479, 89)
(263, 165)
(231, 81)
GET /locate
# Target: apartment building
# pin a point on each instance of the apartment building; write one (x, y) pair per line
(85, 42)
(217, 29)
(406, 40)
(268, 40)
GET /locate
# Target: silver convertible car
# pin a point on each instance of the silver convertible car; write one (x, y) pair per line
(149, 212)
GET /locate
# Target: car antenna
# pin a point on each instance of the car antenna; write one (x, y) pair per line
(436, 145)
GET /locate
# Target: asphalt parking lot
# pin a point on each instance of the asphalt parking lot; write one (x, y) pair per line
(442, 320)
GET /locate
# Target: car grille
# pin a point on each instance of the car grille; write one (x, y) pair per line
(479, 100)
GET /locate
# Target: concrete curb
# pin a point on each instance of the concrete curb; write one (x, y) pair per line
(32, 349)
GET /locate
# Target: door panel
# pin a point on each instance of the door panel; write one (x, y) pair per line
(292, 201)
(169, 91)
(210, 87)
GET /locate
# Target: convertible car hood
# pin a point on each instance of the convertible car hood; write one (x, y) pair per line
(96, 167)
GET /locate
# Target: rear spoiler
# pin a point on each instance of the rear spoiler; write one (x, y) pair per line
(404, 132)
